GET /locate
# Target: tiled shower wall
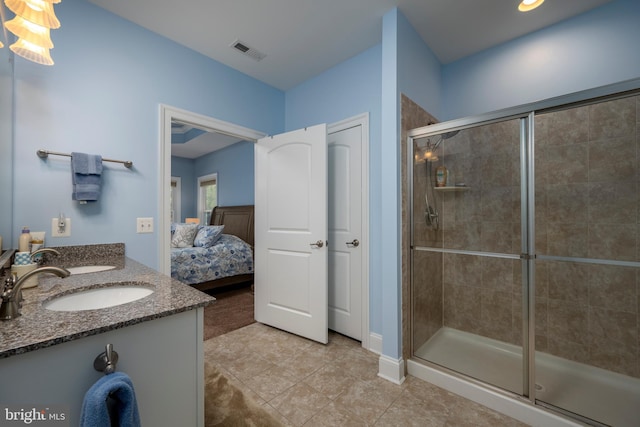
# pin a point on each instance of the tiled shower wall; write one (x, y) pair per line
(586, 206)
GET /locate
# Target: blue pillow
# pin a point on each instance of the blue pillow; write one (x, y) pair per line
(208, 235)
(184, 235)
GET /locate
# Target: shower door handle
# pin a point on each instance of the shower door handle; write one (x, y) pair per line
(355, 243)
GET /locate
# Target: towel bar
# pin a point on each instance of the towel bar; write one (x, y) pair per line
(106, 362)
(43, 154)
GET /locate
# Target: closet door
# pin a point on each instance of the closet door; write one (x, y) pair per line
(291, 259)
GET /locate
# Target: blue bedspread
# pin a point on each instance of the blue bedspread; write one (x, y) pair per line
(229, 256)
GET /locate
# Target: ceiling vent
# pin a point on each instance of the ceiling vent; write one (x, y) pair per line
(242, 47)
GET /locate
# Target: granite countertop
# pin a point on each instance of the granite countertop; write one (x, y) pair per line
(38, 327)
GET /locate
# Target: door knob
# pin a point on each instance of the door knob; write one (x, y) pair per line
(355, 243)
(317, 244)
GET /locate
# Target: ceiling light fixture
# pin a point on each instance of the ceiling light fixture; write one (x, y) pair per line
(32, 25)
(527, 5)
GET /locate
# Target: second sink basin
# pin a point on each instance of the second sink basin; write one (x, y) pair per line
(96, 298)
(90, 269)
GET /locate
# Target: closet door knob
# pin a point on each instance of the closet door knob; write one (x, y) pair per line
(355, 243)
(317, 244)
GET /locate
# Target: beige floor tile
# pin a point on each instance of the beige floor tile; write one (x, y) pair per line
(270, 383)
(334, 415)
(410, 411)
(246, 366)
(330, 380)
(368, 399)
(299, 403)
(303, 364)
(245, 389)
(277, 415)
(302, 382)
(358, 365)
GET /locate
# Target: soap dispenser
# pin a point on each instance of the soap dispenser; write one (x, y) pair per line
(24, 242)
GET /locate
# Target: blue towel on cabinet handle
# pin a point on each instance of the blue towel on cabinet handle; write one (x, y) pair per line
(118, 388)
(86, 176)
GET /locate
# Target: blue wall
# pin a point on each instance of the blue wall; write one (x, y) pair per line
(596, 48)
(103, 96)
(390, 261)
(234, 166)
(349, 89)
(409, 67)
(419, 71)
(235, 169)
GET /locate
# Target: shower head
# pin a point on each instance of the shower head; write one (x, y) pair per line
(449, 134)
(432, 144)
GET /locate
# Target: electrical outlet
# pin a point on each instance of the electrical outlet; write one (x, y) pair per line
(144, 225)
(57, 231)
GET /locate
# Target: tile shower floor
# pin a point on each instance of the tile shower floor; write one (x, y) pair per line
(301, 382)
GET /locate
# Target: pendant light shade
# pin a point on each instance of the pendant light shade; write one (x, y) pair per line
(38, 12)
(30, 32)
(32, 52)
(32, 25)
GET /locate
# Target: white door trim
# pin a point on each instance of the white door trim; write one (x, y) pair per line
(363, 121)
(167, 114)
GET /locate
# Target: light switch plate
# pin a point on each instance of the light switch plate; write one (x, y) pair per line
(144, 225)
(57, 232)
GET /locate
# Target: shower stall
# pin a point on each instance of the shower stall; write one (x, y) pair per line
(524, 266)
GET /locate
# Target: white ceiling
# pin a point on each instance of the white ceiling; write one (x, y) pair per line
(200, 145)
(303, 38)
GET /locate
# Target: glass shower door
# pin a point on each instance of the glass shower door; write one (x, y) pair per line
(467, 280)
(587, 299)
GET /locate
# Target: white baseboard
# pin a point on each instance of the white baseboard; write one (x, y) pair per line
(391, 369)
(375, 343)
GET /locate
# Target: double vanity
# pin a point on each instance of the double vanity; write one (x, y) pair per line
(153, 322)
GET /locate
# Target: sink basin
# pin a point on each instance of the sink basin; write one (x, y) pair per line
(90, 269)
(96, 298)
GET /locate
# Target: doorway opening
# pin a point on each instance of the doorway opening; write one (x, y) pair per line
(171, 115)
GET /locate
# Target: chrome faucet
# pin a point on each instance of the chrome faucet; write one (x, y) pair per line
(12, 293)
(41, 251)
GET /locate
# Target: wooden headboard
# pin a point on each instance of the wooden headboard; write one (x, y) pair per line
(237, 220)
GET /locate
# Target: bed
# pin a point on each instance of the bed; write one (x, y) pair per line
(228, 261)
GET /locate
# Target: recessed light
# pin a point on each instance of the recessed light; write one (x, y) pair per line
(527, 5)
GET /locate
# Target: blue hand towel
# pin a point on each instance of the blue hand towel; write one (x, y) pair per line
(95, 412)
(86, 176)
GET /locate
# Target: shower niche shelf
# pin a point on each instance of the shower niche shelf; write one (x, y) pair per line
(452, 188)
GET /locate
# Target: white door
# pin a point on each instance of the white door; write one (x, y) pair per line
(291, 232)
(345, 232)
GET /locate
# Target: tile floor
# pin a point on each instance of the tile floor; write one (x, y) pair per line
(303, 383)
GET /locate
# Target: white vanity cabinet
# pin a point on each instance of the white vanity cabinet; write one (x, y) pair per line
(163, 357)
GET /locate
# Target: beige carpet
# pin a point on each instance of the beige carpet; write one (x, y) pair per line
(232, 310)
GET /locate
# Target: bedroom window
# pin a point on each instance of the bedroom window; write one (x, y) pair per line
(207, 196)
